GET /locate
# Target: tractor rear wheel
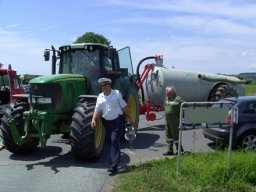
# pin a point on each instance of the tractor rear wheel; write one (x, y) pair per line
(86, 142)
(15, 112)
(222, 91)
(132, 100)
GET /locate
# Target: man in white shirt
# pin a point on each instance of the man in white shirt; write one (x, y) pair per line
(110, 106)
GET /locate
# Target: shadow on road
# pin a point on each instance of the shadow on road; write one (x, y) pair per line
(60, 156)
(57, 161)
(143, 141)
(152, 128)
(54, 158)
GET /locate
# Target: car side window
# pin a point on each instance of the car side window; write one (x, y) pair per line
(250, 108)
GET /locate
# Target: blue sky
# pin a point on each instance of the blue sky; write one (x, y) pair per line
(215, 36)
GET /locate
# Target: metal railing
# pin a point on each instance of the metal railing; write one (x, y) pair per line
(198, 115)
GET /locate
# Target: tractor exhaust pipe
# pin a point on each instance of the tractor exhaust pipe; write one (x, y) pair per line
(54, 60)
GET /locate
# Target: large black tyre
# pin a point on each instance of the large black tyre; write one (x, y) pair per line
(86, 143)
(247, 142)
(15, 111)
(222, 91)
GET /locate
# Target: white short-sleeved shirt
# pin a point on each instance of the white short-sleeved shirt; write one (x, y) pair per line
(111, 105)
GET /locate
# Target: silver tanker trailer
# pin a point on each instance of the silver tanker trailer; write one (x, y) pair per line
(190, 85)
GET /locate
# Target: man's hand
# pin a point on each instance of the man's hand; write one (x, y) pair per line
(93, 123)
(94, 118)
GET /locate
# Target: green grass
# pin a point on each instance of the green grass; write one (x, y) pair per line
(250, 89)
(198, 172)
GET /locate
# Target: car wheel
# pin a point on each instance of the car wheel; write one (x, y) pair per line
(247, 141)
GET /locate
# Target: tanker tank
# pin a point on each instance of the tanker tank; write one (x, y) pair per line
(191, 86)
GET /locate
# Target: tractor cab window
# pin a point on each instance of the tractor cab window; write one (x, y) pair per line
(108, 64)
(118, 62)
(125, 60)
(4, 82)
(9, 80)
(80, 62)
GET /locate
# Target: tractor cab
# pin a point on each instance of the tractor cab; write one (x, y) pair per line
(93, 61)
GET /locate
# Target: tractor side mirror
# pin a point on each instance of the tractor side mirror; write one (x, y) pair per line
(46, 55)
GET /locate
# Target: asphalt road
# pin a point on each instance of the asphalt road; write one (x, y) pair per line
(54, 169)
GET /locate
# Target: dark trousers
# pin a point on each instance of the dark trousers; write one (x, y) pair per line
(114, 128)
(172, 131)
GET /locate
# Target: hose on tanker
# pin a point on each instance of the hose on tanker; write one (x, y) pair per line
(216, 78)
(138, 74)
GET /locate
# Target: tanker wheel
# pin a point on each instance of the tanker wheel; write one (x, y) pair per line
(222, 91)
(15, 111)
(86, 143)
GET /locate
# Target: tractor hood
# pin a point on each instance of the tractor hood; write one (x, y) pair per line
(61, 91)
(58, 78)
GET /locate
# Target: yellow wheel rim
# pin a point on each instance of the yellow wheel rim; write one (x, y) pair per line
(132, 107)
(99, 130)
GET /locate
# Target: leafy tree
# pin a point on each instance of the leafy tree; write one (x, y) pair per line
(91, 37)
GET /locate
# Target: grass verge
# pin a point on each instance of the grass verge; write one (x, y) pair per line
(198, 172)
(250, 89)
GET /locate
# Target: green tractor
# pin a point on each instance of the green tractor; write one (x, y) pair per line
(63, 103)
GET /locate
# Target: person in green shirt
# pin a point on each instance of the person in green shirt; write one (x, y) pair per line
(172, 105)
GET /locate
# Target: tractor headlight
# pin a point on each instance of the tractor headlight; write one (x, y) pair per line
(44, 100)
(41, 100)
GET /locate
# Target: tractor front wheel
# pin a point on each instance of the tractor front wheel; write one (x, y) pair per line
(15, 111)
(86, 142)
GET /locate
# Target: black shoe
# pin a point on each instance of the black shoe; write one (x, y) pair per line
(65, 136)
(168, 153)
(112, 170)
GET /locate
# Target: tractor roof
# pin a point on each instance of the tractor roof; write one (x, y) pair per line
(82, 45)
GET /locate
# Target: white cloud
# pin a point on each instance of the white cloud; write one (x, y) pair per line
(248, 54)
(194, 24)
(193, 54)
(25, 54)
(13, 25)
(242, 10)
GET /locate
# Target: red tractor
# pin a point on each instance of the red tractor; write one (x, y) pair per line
(9, 86)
